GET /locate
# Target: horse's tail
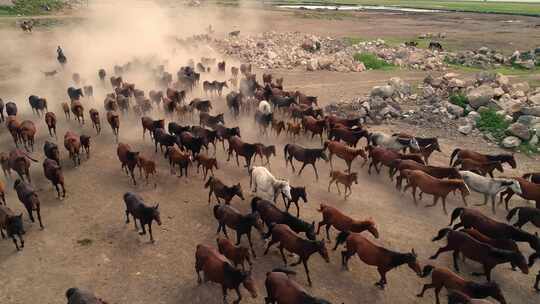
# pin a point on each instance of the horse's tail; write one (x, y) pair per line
(442, 233)
(216, 212)
(512, 212)
(254, 204)
(207, 184)
(455, 214)
(285, 152)
(341, 238)
(284, 270)
(454, 154)
(427, 271)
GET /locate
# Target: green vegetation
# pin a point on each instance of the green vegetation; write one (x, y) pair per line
(326, 15)
(528, 148)
(31, 7)
(478, 6)
(372, 62)
(505, 70)
(492, 123)
(461, 100)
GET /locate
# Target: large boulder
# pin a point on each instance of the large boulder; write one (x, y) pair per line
(400, 85)
(535, 99)
(519, 130)
(480, 96)
(465, 129)
(312, 65)
(511, 142)
(534, 111)
(455, 109)
(528, 120)
(456, 83)
(522, 86)
(385, 91)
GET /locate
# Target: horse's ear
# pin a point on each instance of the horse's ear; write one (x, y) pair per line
(157, 206)
(313, 223)
(535, 234)
(413, 252)
(20, 215)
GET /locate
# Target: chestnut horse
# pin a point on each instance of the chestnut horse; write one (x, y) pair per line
(128, 159)
(346, 153)
(443, 277)
(281, 289)
(96, 122)
(217, 269)
(50, 121)
(288, 240)
(439, 188)
(374, 255)
(332, 217)
(236, 254)
(482, 168)
(529, 191)
(347, 180)
(483, 253)
(28, 197)
(463, 154)
(72, 143)
(438, 172)
(53, 172)
(315, 126)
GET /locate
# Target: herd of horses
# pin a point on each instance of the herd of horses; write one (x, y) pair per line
(277, 112)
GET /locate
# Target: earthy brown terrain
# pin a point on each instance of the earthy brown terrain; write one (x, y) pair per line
(86, 243)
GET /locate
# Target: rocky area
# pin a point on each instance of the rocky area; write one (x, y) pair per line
(488, 58)
(291, 50)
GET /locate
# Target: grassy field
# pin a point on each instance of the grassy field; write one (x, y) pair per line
(31, 7)
(502, 7)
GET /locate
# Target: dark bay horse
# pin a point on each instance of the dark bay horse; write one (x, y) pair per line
(374, 255)
(236, 254)
(484, 158)
(12, 224)
(282, 289)
(304, 155)
(525, 215)
(241, 148)
(29, 198)
(228, 216)
(217, 269)
(288, 240)
(145, 214)
(220, 190)
(53, 172)
(297, 193)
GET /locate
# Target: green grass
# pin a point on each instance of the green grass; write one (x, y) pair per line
(528, 149)
(31, 7)
(330, 15)
(460, 100)
(478, 6)
(372, 62)
(505, 70)
(493, 123)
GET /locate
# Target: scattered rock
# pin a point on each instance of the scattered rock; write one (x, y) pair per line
(511, 142)
(312, 65)
(385, 91)
(520, 130)
(480, 96)
(465, 129)
(455, 109)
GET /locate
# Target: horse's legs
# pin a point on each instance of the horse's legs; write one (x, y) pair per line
(304, 261)
(143, 232)
(210, 194)
(485, 201)
(441, 250)
(224, 227)
(487, 272)
(272, 242)
(30, 215)
(297, 209)
(282, 254)
(455, 256)
(382, 281)
(250, 244)
(493, 203)
(414, 194)
(424, 289)
(330, 160)
(444, 205)
(345, 256)
(237, 289)
(316, 173)
(328, 232)
(150, 231)
(218, 228)
(435, 199)
(57, 190)
(224, 290)
(127, 216)
(537, 282)
(329, 184)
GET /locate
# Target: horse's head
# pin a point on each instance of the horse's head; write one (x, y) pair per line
(513, 185)
(15, 225)
(285, 189)
(155, 214)
(249, 283)
(237, 189)
(323, 251)
(323, 155)
(519, 260)
(498, 166)
(372, 228)
(17, 182)
(511, 160)
(256, 221)
(412, 262)
(220, 118)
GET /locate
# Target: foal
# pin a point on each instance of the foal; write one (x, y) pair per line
(287, 239)
(208, 164)
(148, 165)
(347, 180)
(237, 254)
(50, 120)
(96, 122)
(374, 255)
(297, 193)
(332, 217)
(264, 151)
(146, 215)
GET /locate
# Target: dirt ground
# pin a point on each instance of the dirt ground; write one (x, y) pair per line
(123, 267)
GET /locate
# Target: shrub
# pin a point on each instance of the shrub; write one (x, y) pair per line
(372, 62)
(459, 99)
(492, 122)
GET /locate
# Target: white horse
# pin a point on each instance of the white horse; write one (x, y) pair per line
(393, 142)
(266, 185)
(489, 187)
(265, 107)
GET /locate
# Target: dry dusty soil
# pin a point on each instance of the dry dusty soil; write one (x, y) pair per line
(123, 267)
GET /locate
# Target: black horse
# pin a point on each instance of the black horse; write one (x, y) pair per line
(297, 193)
(136, 207)
(163, 139)
(51, 151)
(74, 93)
(304, 155)
(37, 104)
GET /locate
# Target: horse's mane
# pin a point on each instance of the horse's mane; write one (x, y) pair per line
(481, 289)
(398, 258)
(500, 157)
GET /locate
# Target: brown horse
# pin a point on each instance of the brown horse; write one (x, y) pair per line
(148, 165)
(313, 125)
(304, 155)
(282, 289)
(65, 108)
(220, 190)
(347, 180)
(278, 126)
(529, 191)
(288, 240)
(297, 193)
(177, 157)
(114, 121)
(53, 172)
(2, 193)
(228, 216)
(146, 215)
(386, 157)
(293, 128)
(18, 161)
(457, 297)
(206, 119)
(472, 218)
(427, 145)
(28, 197)
(504, 244)
(266, 152)
(217, 269)
(207, 163)
(13, 125)
(241, 148)
(78, 110)
(50, 121)
(438, 172)
(351, 137)
(96, 121)
(525, 215)
(236, 254)
(332, 217)
(85, 144)
(346, 153)
(483, 158)
(483, 253)
(439, 188)
(128, 159)
(27, 132)
(150, 125)
(443, 277)
(72, 143)
(374, 255)
(481, 168)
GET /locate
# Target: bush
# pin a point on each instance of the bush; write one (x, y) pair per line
(372, 62)
(459, 99)
(528, 148)
(492, 123)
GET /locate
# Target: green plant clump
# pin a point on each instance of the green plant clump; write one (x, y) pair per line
(459, 99)
(492, 122)
(32, 7)
(372, 62)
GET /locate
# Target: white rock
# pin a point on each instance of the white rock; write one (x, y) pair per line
(465, 129)
(511, 142)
